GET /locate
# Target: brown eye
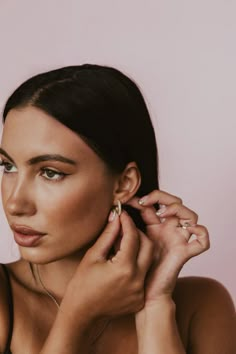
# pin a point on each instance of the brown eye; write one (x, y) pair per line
(7, 167)
(52, 174)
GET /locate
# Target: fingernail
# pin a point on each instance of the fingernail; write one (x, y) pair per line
(187, 224)
(142, 200)
(161, 210)
(112, 216)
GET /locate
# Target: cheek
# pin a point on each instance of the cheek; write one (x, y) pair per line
(81, 212)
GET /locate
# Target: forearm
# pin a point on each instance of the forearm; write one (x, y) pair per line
(68, 335)
(157, 329)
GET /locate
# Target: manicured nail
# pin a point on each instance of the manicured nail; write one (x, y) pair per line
(142, 200)
(161, 210)
(187, 224)
(112, 216)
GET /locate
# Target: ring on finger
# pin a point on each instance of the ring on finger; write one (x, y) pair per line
(185, 225)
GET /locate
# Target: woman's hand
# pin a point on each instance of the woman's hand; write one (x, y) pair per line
(104, 285)
(170, 230)
(111, 285)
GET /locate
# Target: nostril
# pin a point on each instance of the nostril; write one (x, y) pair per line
(19, 208)
(18, 197)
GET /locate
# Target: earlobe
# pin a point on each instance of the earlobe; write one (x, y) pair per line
(117, 208)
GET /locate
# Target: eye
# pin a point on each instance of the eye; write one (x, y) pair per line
(52, 175)
(7, 167)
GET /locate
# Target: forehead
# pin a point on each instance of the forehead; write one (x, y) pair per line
(32, 131)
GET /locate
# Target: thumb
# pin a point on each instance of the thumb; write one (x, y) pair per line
(106, 240)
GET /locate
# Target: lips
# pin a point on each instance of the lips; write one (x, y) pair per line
(26, 236)
(25, 230)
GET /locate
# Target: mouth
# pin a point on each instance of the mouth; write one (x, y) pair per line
(26, 236)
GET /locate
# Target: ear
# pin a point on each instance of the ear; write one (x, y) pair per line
(127, 184)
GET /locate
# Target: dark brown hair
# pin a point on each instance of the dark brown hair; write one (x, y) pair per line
(105, 108)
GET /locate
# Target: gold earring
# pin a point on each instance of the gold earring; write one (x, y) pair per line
(118, 208)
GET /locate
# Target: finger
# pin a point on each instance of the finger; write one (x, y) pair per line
(130, 242)
(170, 222)
(149, 216)
(134, 202)
(106, 240)
(146, 253)
(173, 224)
(159, 197)
(185, 214)
(201, 243)
(148, 213)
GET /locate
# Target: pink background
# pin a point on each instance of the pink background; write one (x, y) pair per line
(182, 54)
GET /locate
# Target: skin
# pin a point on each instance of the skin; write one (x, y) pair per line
(76, 202)
(74, 259)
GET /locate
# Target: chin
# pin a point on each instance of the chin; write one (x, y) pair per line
(39, 255)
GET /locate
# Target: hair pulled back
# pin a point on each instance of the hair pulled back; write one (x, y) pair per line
(105, 108)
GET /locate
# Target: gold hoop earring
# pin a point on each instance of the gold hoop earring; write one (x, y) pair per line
(118, 208)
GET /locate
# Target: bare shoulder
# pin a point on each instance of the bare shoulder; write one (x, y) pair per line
(202, 290)
(12, 270)
(4, 310)
(210, 313)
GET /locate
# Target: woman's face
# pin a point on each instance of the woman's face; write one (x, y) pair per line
(67, 200)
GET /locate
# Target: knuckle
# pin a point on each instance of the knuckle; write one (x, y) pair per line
(204, 229)
(176, 206)
(127, 272)
(178, 200)
(156, 192)
(138, 287)
(206, 246)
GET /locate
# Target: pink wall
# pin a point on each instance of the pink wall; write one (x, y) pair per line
(183, 56)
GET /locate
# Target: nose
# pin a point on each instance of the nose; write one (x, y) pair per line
(19, 202)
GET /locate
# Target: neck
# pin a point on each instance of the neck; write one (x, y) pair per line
(56, 275)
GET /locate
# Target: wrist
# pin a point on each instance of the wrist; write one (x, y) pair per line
(157, 329)
(162, 302)
(155, 313)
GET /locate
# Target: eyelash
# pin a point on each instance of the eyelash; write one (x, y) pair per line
(4, 163)
(60, 174)
(44, 170)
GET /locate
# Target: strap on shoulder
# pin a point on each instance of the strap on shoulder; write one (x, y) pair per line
(10, 306)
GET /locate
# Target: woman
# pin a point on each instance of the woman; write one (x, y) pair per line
(99, 263)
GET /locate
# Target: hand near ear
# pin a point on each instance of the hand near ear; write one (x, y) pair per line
(170, 229)
(111, 285)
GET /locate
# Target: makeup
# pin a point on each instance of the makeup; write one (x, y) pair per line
(26, 236)
(26, 240)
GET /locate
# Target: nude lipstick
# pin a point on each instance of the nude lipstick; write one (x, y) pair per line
(25, 236)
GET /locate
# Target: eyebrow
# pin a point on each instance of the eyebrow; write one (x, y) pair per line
(41, 158)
